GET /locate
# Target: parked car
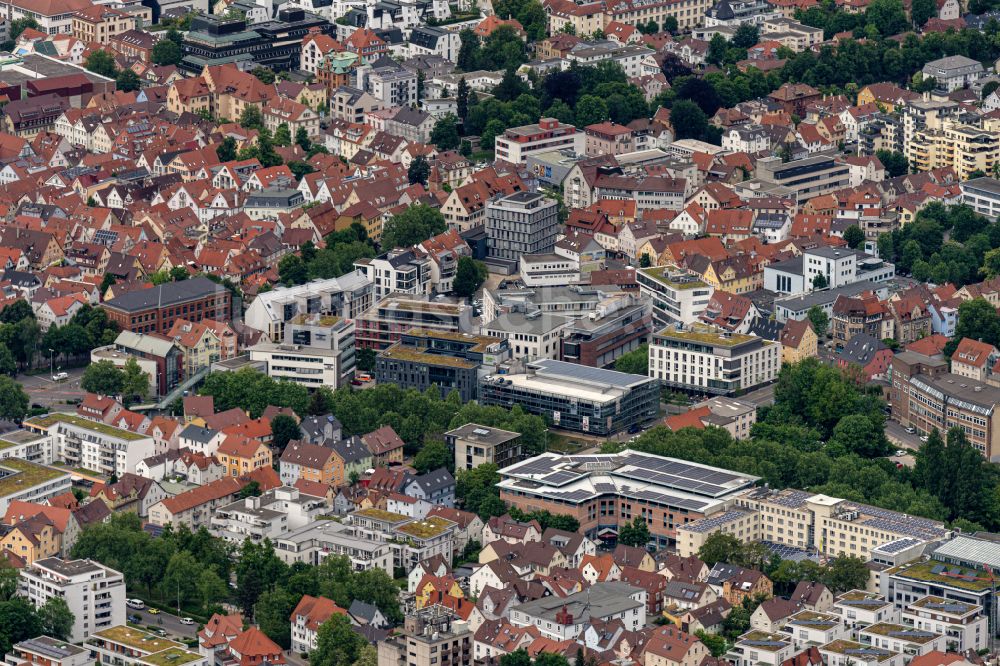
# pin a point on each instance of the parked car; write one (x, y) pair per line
(138, 604)
(154, 611)
(186, 620)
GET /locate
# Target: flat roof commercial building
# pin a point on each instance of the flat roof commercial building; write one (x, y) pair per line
(810, 522)
(125, 646)
(608, 490)
(30, 482)
(548, 134)
(983, 194)
(924, 395)
(710, 360)
(575, 397)
(450, 361)
(475, 445)
(385, 323)
(155, 310)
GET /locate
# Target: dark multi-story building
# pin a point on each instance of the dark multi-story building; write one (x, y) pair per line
(521, 223)
(476, 445)
(450, 361)
(155, 310)
(576, 397)
(218, 39)
(602, 337)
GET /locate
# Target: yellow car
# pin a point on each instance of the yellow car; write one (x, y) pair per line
(154, 611)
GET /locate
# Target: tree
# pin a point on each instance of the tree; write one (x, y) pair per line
(719, 547)
(511, 86)
(127, 81)
(888, 17)
(135, 381)
(688, 120)
(468, 53)
(715, 643)
(716, 49)
(367, 656)
(747, 35)
(283, 430)
(336, 644)
(635, 533)
(445, 133)
(292, 270)
(415, 224)
(258, 570)
(921, 11)
(17, 26)
(366, 359)
(635, 362)
(469, 276)
(180, 581)
(251, 118)
(463, 98)
(591, 109)
(419, 171)
(853, 236)
(252, 489)
(282, 136)
(16, 311)
(56, 618)
(819, 281)
(895, 163)
(103, 378)
(166, 52)
(211, 588)
(516, 658)
(271, 612)
(101, 62)
(977, 319)
(264, 74)
(434, 455)
(670, 25)
(845, 573)
(858, 434)
(302, 139)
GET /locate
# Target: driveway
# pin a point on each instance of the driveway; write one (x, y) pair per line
(902, 440)
(43, 391)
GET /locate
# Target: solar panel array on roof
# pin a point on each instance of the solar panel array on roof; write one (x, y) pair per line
(867, 652)
(712, 522)
(773, 644)
(912, 634)
(947, 607)
(560, 478)
(897, 545)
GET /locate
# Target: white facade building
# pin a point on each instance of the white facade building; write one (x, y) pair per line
(94, 593)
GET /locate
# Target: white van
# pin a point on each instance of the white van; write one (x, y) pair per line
(135, 603)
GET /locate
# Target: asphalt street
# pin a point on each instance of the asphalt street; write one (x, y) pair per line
(43, 391)
(163, 620)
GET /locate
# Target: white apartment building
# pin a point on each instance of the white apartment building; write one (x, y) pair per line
(851, 653)
(47, 651)
(27, 445)
(397, 271)
(755, 648)
(310, 366)
(94, 593)
(711, 360)
(531, 336)
(347, 296)
(900, 638)
(963, 624)
(318, 540)
(30, 482)
(126, 646)
(862, 608)
(267, 516)
(678, 298)
(92, 445)
(809, 628)
(547, 135)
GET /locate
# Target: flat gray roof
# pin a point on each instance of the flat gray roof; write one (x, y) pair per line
(599, 601)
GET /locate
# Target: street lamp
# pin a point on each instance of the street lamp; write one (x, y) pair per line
(51, 351)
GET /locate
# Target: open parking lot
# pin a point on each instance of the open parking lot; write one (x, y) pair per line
(47, 393)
